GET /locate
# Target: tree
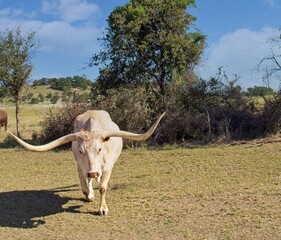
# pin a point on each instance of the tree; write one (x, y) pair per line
(16, 52)
(260, 91)
(271, 64)
(34, 100)
(3, 92)
(147, 43)
(81, 82)
(62, 84)
(41, 97)
(54, 99)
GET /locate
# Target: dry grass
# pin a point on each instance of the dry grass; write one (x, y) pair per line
(30, 118)
(42, 89)
(220, 192)
(203, 193)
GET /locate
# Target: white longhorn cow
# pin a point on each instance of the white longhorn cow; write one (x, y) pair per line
(96, 146)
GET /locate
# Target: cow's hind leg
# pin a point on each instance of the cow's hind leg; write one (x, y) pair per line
(103, 188)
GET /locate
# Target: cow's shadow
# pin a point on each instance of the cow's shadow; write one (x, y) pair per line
(24, 209)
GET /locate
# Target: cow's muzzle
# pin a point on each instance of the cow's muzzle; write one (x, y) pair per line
(93, 175)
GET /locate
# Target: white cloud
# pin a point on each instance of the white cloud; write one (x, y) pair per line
(58, 37)
(272, 3)
(67, 34)
(269, 2)
(16, 13)
(65, 39)
(11, 12)
(4, 12)
(240, 53)
(70, 10)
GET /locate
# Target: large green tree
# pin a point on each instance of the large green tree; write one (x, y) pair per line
(16, 52)
(147, 42)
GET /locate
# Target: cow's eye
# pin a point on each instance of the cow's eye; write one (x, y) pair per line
(80, 151)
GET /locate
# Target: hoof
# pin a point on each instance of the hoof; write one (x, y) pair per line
(103, 211)
(89, 197)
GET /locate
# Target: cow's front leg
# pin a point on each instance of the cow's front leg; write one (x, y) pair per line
(103, 188)
(86, 185)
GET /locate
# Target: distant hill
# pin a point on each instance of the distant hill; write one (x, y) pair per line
(46, 89)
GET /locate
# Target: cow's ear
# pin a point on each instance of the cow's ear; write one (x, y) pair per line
(106, 139)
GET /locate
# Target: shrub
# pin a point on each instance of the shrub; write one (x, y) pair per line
(133, 109)
(271, 114)
(203, 111)
(59, 122)
(41, 97)
(54, 99)
(49, 95)
(34, 101)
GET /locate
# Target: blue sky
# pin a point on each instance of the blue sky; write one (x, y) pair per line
(67, 31)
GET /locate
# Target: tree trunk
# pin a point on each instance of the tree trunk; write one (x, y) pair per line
(209, 124)
(17, 115)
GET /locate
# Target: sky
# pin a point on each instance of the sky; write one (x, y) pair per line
(67, 31)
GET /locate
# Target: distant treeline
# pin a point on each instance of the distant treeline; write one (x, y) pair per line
(259, 91)
(64, 83)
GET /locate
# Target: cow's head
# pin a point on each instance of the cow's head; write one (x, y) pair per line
(90, 150)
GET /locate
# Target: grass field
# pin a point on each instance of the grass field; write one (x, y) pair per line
(30, 117)
(204, 193)
(215, 192)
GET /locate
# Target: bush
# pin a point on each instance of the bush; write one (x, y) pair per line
(131, 109)
(211, 110)
(59, 122)
(41, 97)
(271, 115)
(203, 111)
(49, 95)
(54, 99)
(34, 101)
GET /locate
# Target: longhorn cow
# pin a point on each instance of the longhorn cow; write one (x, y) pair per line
(3, 119)
(96, 146)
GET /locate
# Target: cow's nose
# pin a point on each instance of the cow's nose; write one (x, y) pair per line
(93, 174)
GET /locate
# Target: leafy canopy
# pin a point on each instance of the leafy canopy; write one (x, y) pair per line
(16, 52)
(148, 42)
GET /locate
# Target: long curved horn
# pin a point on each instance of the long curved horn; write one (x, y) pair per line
(49, 146)
(135, 136)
